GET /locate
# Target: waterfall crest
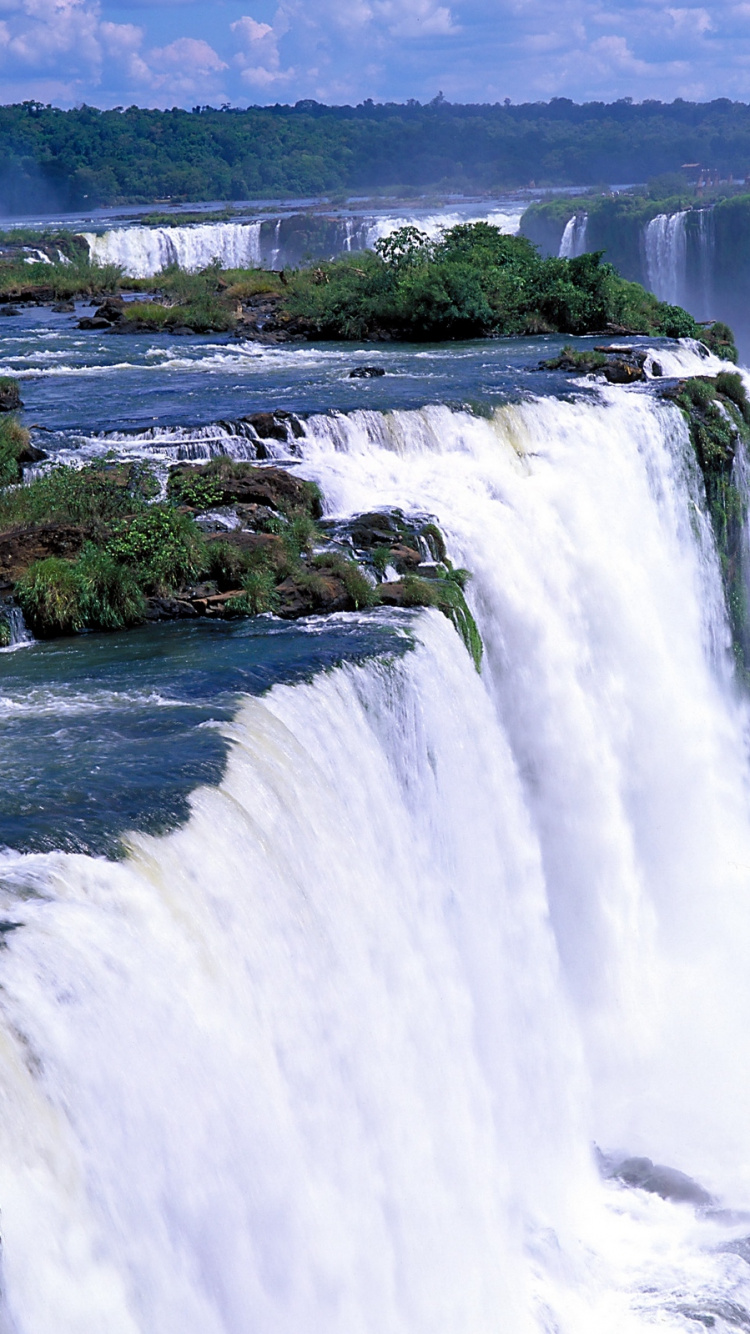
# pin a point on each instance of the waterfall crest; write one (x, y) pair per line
(144, 251)
(333, 1055)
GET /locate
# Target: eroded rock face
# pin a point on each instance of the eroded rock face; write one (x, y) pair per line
(242, 484)
(21, 546)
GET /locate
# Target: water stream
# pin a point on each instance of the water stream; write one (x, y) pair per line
(331, 1040)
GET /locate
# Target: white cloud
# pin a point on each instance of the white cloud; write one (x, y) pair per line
(416, 18)
(258, 61)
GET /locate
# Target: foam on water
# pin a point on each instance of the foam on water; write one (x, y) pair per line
(333, 1055)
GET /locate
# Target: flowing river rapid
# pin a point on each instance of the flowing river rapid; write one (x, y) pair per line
(337, 978)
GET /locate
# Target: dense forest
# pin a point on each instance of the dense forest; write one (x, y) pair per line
(54, 159)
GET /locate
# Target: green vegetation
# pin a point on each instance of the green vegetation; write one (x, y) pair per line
(53, 159)
(58, 282)
(128, 548)
(718, 415)
(14, 444)
(474, 282)
(447, 594)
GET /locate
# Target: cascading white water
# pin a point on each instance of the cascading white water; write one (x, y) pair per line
(332, 1056)
(144, 251)
(507, 220)
(666, 256)
(573, 239)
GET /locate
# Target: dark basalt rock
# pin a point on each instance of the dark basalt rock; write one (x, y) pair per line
(270, 486)
(667, 1182)
(169, 609)
(94, 322)
(366, 373)
(62, 307)
(10, 398)
(275, 425)
(622, 372)
(22, 545)
(9, 310)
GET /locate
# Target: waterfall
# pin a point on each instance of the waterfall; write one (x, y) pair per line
(19, 631)
(573, 240)
(332, 1056)
(706, 246)
(666, 256)
(144, 251)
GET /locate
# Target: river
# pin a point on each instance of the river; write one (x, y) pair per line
(338, 979)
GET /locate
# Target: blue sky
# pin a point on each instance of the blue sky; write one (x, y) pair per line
(183, 52)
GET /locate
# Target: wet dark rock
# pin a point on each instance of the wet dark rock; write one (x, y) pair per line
(10, 397)
(667, 1182)
(324, 592)
(63, 307)
(656, 370)
(169, 609)
(9, 310)
(248, 485)
(366, 373)
(275, 425)
(268, 544)
(22, 545)
(30, 454)
(182, 330)
(622, 372)
(94, 322)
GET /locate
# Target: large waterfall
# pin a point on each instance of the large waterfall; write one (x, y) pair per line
(666, 256)
(334, 1055)
(143, 251)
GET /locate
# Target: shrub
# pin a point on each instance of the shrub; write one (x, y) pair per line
(94, 495)
(109, 594)
(258, 593)
(165, 546)
(731, 386)
(674, 322)
(357, 585)
(50, 596)
(196, 490)
(225, 563)
(14, 441)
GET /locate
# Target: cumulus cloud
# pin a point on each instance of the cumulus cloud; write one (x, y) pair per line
(259, 61)
(180, 51)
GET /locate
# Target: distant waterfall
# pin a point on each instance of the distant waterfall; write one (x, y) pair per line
(144, 251)
(573, 240)
(666, 256)
(706, 244)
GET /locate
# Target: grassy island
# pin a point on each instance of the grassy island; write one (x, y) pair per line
(474, 282)
(95, 548)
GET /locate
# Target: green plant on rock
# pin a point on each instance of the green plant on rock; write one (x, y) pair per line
(14, 441)
(49, 594)
(446, 593)
(196, 490)
(5, 632)
(258, 593)
(356, 583)
(225, 563)
(165, 545)
(110, 596)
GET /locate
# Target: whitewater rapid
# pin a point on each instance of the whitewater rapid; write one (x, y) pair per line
(333, 1056)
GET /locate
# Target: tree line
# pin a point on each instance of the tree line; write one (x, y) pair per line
(53, 159)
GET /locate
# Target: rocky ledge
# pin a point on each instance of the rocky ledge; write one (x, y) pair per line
(93, 549)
